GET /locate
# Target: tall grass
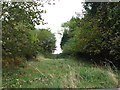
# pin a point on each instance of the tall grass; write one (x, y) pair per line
(60, 73)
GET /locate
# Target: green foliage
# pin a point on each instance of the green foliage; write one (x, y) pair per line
(27, 12)
(70, 27)
(95, 34)
(20, 38)
(18, 19)
(15, 40)
(45, 39)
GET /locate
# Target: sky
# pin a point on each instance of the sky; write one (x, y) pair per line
(57, 14)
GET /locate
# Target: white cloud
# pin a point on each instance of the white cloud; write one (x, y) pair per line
(59, 13)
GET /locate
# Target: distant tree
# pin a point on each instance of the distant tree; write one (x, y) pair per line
(44, 39)
(69, 28)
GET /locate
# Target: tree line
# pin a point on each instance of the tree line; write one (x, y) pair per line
(20, 40)
(97, 34)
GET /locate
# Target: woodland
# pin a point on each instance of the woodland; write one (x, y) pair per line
(91, 48)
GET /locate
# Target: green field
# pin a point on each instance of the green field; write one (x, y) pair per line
(59, 73)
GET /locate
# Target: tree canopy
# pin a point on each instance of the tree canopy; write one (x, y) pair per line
(96, 34)
(20, 38)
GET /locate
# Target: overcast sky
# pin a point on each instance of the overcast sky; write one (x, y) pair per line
(61, 12)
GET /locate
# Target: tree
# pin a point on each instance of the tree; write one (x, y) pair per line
(44, 39)
(69, 28)
(19, 19)
(108, 19)
(97, 33)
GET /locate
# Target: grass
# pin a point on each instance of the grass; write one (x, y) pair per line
(59, 73)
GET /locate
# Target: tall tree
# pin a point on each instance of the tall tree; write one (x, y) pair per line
(18, 21)
(98, 32)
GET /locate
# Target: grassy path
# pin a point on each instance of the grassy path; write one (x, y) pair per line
(59, 73)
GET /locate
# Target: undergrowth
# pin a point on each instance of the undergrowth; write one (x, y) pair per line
(59, 73)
